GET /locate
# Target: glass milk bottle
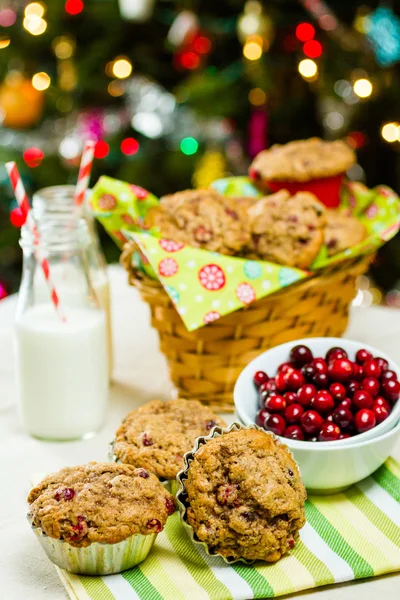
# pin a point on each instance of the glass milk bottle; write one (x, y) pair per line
(61, 366)
(58, 200)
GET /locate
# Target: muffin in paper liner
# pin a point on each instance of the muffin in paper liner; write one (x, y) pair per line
(182, 476)
(97, 558)
(171, 485)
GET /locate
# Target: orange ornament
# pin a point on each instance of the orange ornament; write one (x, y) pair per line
(20, 103)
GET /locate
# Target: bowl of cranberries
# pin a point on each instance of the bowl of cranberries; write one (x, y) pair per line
(322, 395)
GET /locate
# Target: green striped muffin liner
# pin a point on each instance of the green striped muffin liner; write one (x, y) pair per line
(96, 559)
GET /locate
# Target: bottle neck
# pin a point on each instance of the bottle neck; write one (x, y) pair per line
(60, 234)
(57, 200)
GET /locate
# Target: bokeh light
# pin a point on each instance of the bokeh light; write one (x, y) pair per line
(305, 32)
(252, 50)
(363, 88)
(74, 7)
(34, 25)
(41, 81)
(189, 146)
(33, 157)
(4, 42)
(34, 9)
(129, 146)
(257, 96)
(115, 88)
(101, 149)
(390, 132)
(312, 49)
(122, 68)
(308, 68)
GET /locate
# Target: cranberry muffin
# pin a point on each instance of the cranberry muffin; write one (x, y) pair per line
(288, 230)
(342, 232)
(243, 495)
(158, 434)
(99, 518)
(202, 219)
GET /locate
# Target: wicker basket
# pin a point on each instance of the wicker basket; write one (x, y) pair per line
(204, 364)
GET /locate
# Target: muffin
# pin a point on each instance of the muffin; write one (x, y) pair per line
(203, 219)
(342, 232)
(99, 518)
(288, 230)
(304, 165)
(241, 495)
(158, 434)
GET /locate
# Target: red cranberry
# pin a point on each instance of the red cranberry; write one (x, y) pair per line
(380, 401)
(291, 543)
(329, 432)
(391, 389)
(346, 403)
(294, 433)
(344, 436)
(321, 380)
(362, 399)
(352, 387)
(335, 353)
(66, 493)
(371, 385)
(259, 378)
(285, 367)
(262, 415)
(301, 355)
(381, 413)
(275, 403)
(340, 369)
(338, 391)
(295, 380)
(170, 506)
(210, 425)
(276, 424)
(372, 368)
(262, 398)
(309, 372)
(281, 381)
(383, 363)
(146, 440)
(320, 365)
(143, 473)
(388, 375)
(329, 418)
(342, 417)
(311, 422)
(358, 372)
(269, 386)
(293, 413)
(364, 420)
(323, 402)
(154, 524)
(362, 356)
(305, 394)
(290, 397)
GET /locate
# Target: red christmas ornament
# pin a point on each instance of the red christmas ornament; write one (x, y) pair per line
(74, 7)
(33, 157)
(17, 217)
(102, 149)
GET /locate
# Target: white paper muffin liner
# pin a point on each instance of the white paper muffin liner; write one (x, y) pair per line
(96, 559)
(170, 484)
(181, 495)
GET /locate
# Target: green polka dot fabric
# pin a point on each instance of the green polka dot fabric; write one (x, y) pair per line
(204, 285)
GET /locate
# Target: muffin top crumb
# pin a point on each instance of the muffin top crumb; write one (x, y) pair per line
(157, 435)
(245, 498)
(303, 160)
(99, 502)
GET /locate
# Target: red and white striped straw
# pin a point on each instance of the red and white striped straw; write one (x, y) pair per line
(84, 172)
(22, 199)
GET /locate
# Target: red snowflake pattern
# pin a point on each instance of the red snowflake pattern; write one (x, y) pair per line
(170, 245)
(128, 219)
(139, 192)
(245, 292)
(168, 267)
(212, 278)
(371, 211)
(211, 316)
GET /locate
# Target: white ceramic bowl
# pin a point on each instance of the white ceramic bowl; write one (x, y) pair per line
(326, 467)
(245, 393)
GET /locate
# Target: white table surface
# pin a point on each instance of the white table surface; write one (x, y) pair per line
(140, 374)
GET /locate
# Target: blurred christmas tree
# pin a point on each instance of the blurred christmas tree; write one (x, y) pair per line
(178, 92)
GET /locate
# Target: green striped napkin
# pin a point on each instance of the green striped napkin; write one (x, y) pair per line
(348, 536)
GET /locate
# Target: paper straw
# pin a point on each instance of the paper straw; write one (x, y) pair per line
(84, 172)
(24, 205)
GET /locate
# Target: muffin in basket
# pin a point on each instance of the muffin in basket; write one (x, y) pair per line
(288, 230)
(241, 495)
(99, 518)
(342, 232)
(304, 165)
(203, 219)
(156, 435)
